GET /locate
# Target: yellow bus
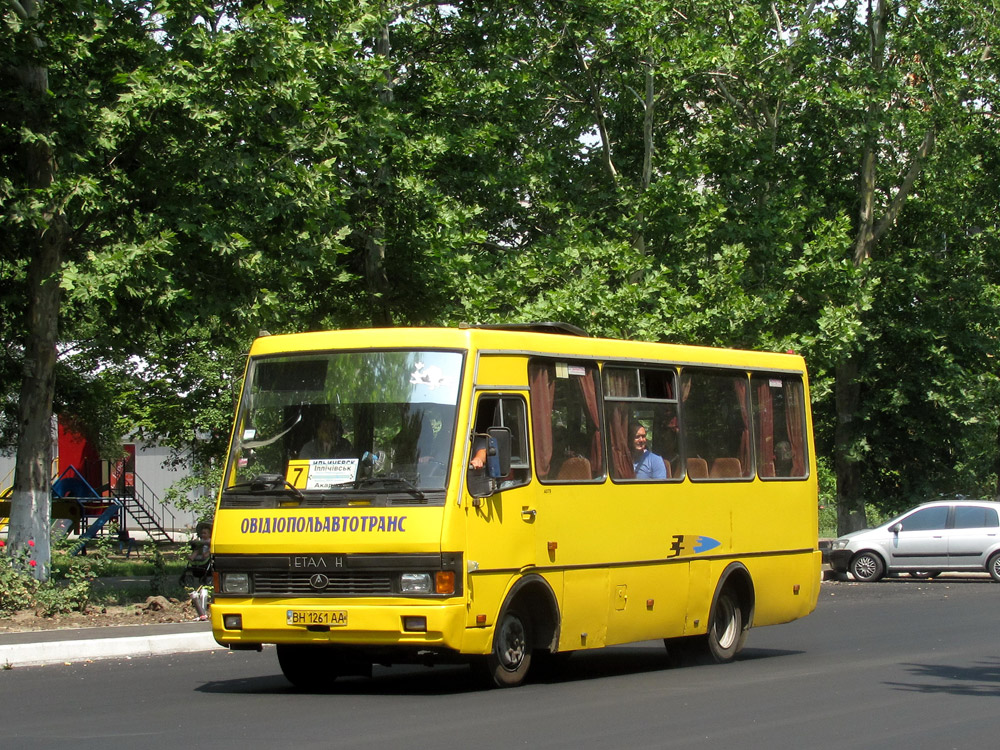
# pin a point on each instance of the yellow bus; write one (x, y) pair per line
(497, 494)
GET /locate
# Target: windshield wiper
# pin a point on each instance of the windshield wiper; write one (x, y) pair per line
(267, 483)
(402, 482)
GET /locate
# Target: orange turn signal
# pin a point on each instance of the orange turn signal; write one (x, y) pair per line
(444, 582)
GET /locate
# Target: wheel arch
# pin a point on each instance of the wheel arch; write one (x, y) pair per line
(533, 595)
(738, 578)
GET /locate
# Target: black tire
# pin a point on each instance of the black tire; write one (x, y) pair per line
(867, 567)
(725, 628)
(993, 566)
(923, 575)
(306, 667)
(508, 663)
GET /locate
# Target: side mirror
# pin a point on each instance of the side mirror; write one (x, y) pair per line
(896, 528)
(483, 482)
(498, 452)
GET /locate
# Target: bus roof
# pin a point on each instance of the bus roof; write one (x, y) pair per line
(526, 339)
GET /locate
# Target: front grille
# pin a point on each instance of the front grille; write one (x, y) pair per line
(278, 583)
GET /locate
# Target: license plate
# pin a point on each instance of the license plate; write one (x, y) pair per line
(335, 618)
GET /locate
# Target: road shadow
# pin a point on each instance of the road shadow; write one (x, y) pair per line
(456, 679)
(981, 679)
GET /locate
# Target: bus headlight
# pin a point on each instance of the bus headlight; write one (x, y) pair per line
(235, 583)
(415, 583)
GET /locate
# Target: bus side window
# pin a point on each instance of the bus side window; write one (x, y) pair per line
(565, 421)
(779, 426)
(715, 420)
(642, 400)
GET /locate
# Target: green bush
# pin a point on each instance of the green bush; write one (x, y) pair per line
(70, 588)
(17, 586)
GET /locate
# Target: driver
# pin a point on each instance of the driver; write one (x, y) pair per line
(329, 441)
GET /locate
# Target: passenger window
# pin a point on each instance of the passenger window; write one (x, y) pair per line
(565, 421)
(715, 425)
(640, 407)
(928, 519)
(972, 517)
(779, 426)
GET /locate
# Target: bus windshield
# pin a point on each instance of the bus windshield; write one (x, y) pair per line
(329, 422)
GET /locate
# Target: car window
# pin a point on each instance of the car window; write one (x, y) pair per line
(926, 519)
(972, 517)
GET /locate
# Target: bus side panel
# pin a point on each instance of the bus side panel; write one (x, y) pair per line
(648, 602)
(786, 586)
(776, 515)
(584, 609)
(486, 592)
(702, 580)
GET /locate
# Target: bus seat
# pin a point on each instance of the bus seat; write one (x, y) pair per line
(697, 468)
(576, 467)
(767, 469)
(726, 468)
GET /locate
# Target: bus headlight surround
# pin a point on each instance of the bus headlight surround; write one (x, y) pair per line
(235, 583)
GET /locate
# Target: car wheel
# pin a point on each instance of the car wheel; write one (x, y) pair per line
(867, 567)
(993, 566)
(924, 574)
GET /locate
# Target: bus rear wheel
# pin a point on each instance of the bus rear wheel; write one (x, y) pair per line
(508, 663)
(725, 628)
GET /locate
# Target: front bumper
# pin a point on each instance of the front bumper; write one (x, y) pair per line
(371, 624)
(840, 559)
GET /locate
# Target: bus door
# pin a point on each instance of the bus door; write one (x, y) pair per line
(501, 537)
(577, 530)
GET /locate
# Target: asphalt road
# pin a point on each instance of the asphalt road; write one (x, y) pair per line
(896, 664)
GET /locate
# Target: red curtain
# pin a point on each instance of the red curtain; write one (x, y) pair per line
(588, 388)
(621, 461)
(541, 380)
(794, 418)
(765, 436)
(740, 387)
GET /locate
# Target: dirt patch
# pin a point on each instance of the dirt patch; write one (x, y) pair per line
(155, 609)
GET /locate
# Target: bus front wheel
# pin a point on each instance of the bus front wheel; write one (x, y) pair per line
(306, 667)
(315, 667)
(507, 664)
(725, 629)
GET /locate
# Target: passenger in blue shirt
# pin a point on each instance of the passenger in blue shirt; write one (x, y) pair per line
(645, 463)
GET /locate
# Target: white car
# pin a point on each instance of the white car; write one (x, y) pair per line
(945, 535)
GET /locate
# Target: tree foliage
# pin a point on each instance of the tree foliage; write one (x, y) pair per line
(814, 175)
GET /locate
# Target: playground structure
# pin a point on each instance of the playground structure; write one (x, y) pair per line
(80, 508)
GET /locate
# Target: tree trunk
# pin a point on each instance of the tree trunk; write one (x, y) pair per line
(31, 499)
(850, 499)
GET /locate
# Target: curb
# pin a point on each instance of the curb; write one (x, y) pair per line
(93, 649)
